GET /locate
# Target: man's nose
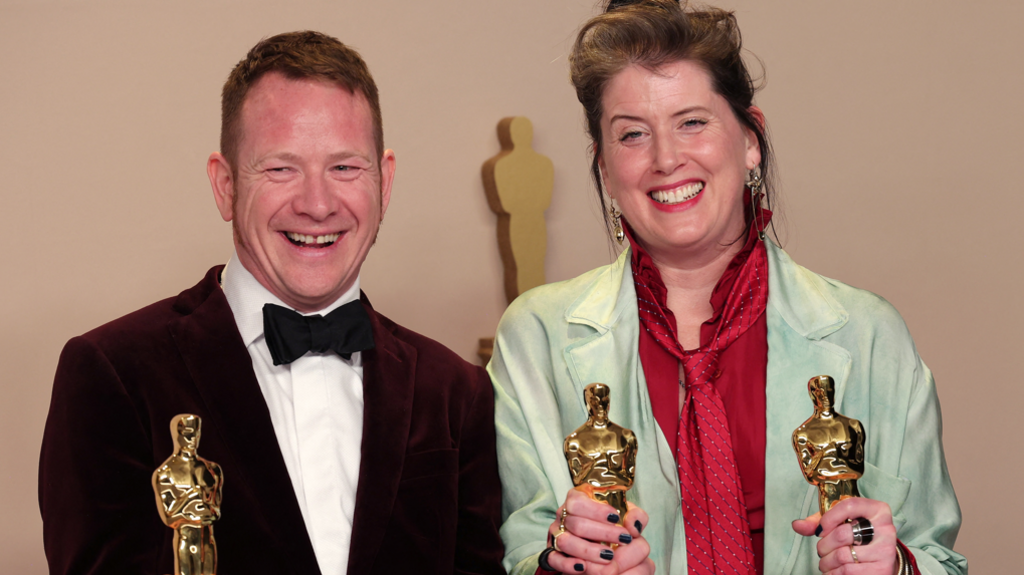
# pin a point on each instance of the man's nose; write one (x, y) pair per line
(316, 199)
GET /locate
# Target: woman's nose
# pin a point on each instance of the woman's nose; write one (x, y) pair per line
(668, 154)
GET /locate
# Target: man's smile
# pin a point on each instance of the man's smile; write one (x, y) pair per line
(308, 241)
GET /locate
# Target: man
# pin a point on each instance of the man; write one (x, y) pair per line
(351, 445)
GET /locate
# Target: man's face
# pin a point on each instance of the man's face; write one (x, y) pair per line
(308, 192)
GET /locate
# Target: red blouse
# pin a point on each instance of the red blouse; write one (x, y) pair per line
(741, 385)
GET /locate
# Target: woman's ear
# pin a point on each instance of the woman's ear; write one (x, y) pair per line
(753, 146)
(758, 116)
(604, 180)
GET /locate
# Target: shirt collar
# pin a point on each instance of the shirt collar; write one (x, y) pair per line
(246, 296)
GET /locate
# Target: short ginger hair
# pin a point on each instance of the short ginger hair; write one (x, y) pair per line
(296, 55)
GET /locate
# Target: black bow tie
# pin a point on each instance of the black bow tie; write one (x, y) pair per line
(290, 334)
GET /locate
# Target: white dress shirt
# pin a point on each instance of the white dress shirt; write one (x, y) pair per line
(316, 406)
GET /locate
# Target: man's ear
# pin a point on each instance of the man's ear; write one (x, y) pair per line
(387, 178)
(223, 183)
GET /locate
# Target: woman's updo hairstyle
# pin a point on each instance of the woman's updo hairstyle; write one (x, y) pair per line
(651, 33)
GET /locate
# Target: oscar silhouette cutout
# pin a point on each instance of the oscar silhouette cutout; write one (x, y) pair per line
(519, 182)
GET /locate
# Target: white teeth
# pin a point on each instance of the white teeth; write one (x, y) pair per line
(307, 239)
(678, 195)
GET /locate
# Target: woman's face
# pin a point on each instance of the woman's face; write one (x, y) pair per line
(675, 158)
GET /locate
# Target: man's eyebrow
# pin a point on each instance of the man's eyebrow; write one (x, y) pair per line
(347, 155)
(281, 156)
(336, 157)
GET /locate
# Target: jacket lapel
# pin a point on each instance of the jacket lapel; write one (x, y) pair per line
(799, 315)
(388, 385)
(608, 355)
(221, 368)
(611, 356)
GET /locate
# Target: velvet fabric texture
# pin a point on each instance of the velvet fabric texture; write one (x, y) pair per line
(428, 496)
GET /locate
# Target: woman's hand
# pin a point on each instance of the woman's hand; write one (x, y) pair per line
(589, 527)
(878, 557)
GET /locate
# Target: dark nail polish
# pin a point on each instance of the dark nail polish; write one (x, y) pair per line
(817, 531)
(578, 567)
(625, 538)
(607, 554)
(613, 518)
(639, 526)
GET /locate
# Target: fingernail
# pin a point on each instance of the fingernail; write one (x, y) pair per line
(625, 538)
(613, 518)
(607, 554)
(817, 531)
(578, 567)
(639, 526)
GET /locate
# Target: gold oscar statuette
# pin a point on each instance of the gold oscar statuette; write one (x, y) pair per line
(830, 447)
(188, 493)
(601, 454)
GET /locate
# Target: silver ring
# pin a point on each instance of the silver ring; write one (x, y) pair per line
(854, 554)
(863, 531)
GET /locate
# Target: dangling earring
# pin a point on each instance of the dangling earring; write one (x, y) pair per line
(616, 224)
(754, 183)
(615, 214)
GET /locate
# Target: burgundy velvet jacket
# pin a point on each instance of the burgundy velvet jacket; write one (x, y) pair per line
(428, 499)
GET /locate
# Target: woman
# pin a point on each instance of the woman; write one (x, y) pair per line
(706, 334)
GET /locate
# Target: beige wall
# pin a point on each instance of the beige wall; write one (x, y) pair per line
(897, 127)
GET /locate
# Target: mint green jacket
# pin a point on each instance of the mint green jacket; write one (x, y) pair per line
(556, 339)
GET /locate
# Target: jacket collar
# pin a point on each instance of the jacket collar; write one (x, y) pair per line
(797, 294)
(800, 297)
(607, 299)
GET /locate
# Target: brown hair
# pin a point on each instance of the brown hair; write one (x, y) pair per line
(297, 55)
(651, 33)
